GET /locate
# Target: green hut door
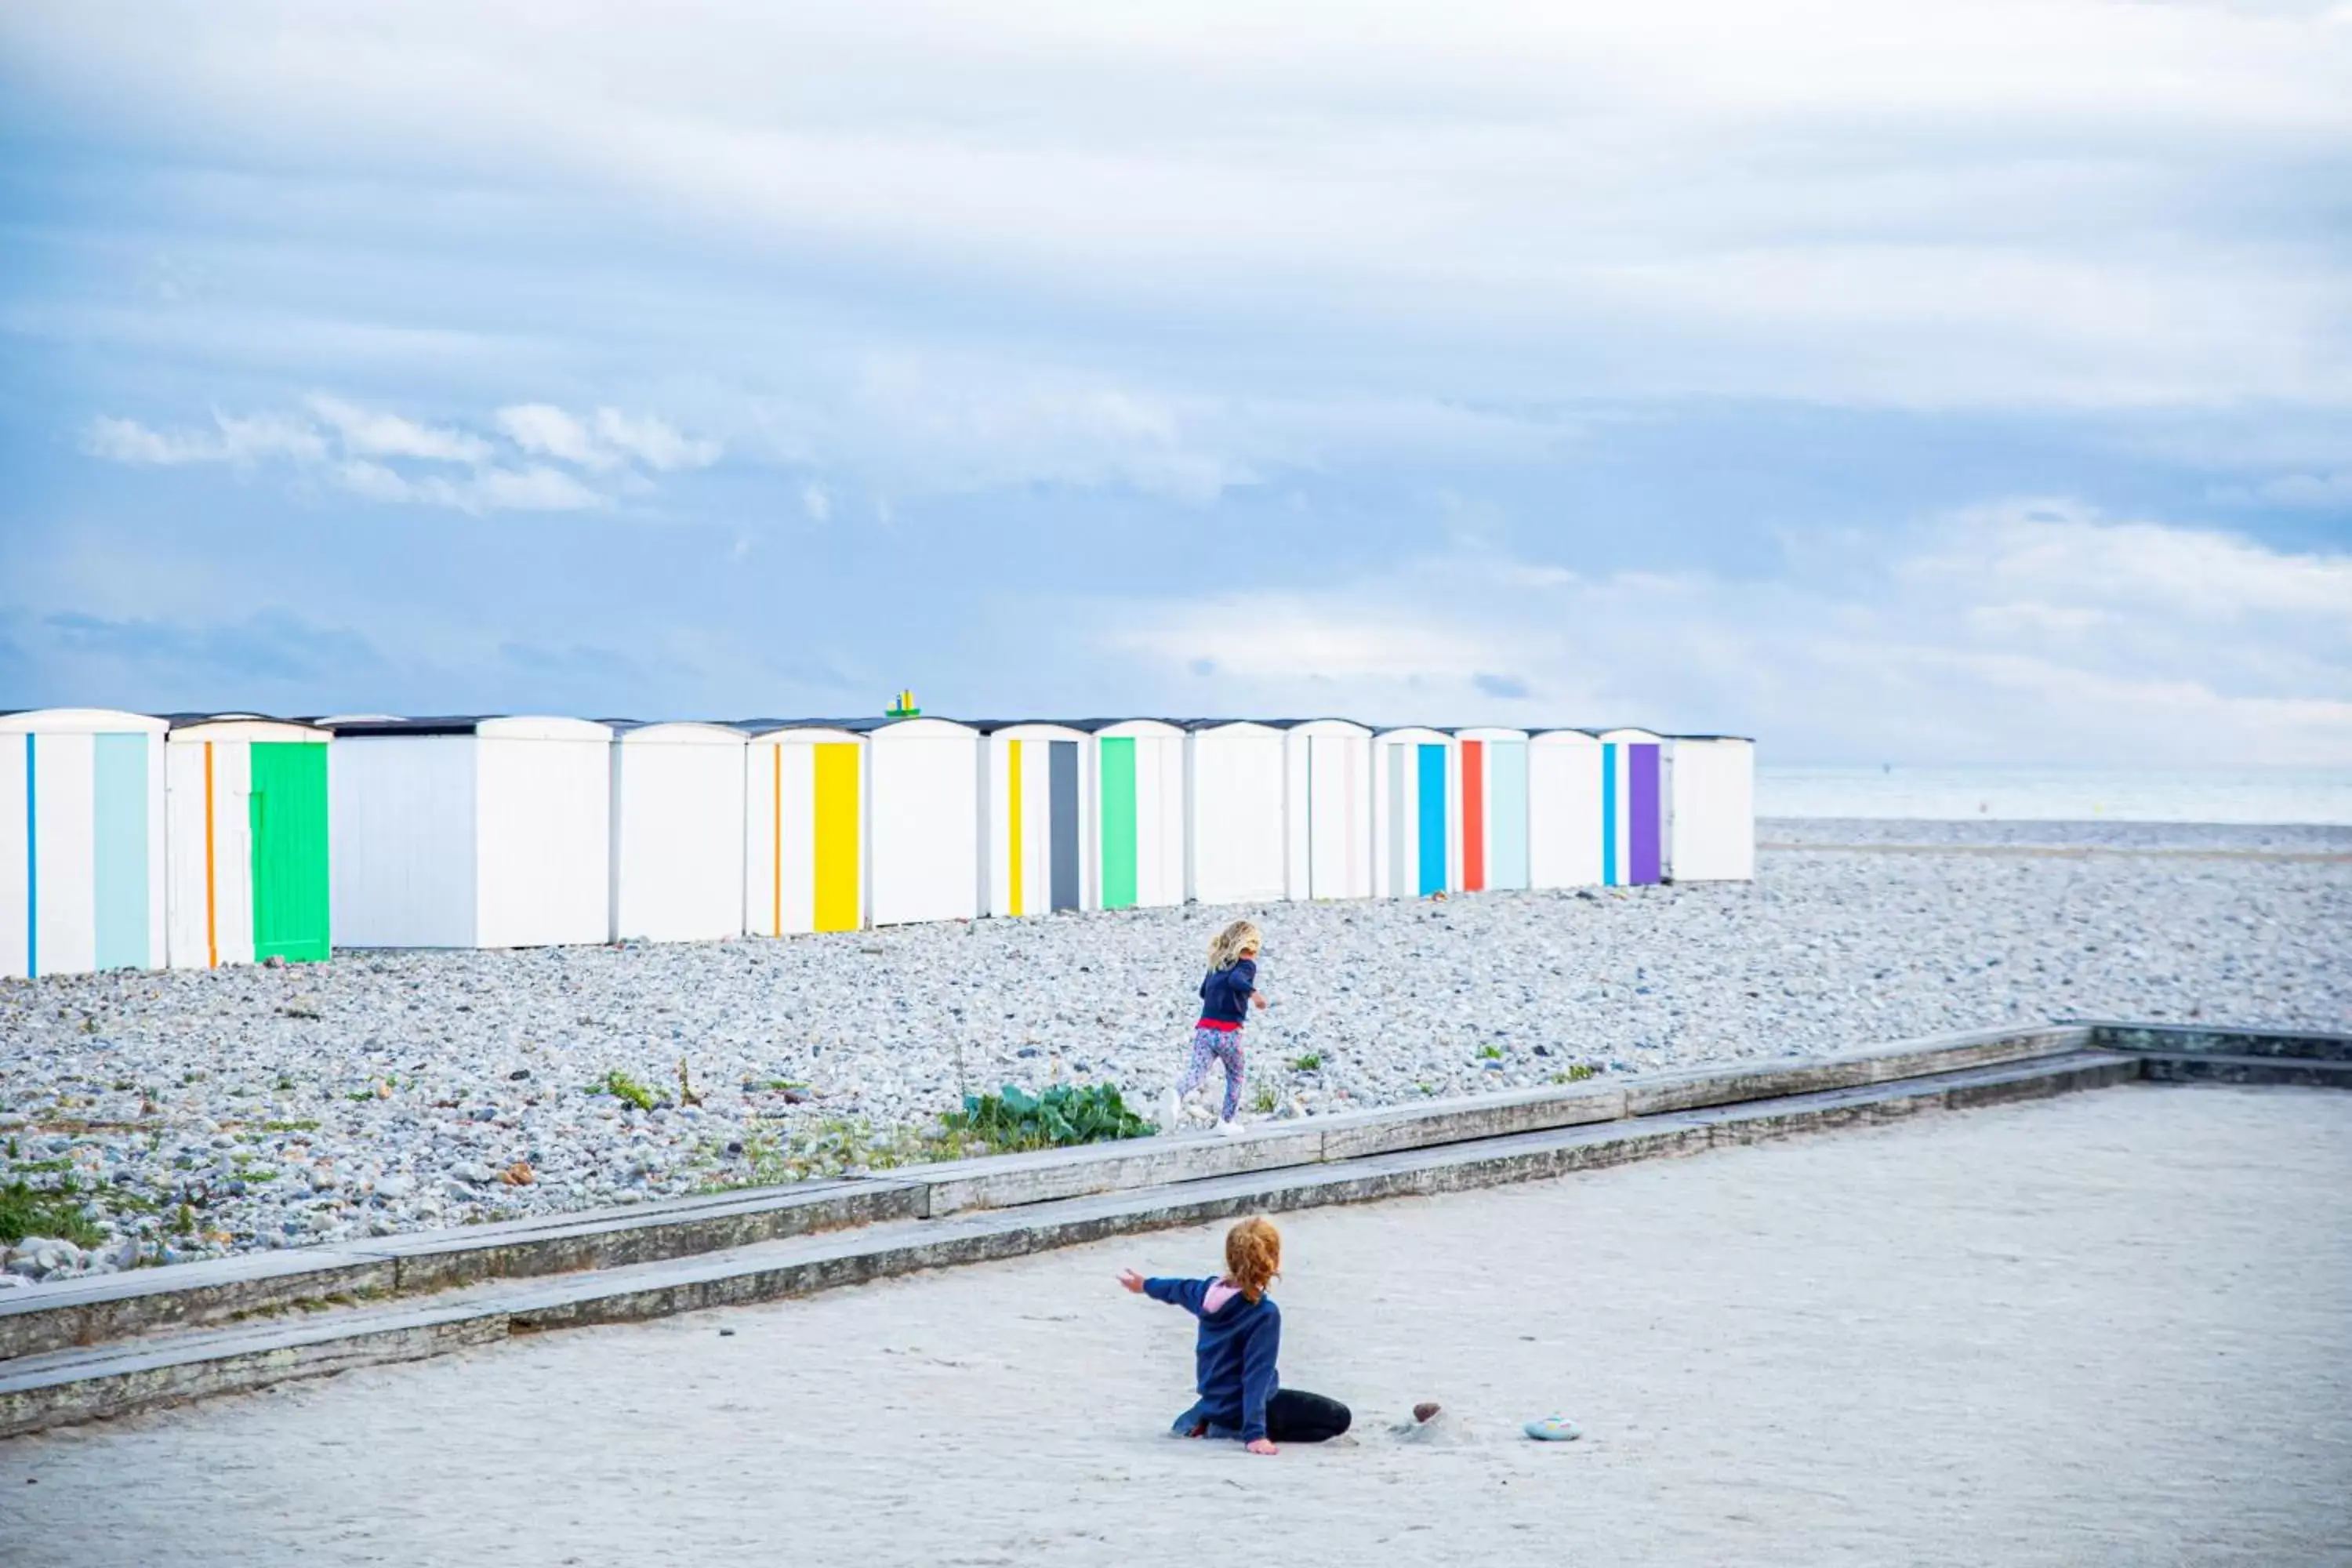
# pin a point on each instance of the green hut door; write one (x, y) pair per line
(289, 808)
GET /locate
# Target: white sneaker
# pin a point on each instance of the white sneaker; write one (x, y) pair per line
(1233, 1129)
(1172, 1112)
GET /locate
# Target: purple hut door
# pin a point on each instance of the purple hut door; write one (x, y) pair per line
(1643, 813)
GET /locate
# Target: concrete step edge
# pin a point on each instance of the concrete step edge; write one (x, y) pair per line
(2201, 1040)
(69, 1386)
(89, 1311)
(2196, 1067)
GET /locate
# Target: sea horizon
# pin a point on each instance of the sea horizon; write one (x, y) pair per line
(2279, 797)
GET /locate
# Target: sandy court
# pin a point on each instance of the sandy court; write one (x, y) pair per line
(2114, 1328)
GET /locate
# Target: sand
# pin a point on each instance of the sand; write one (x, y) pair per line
(2106, 1329)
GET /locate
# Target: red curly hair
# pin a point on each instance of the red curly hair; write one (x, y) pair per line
(1252, 1255)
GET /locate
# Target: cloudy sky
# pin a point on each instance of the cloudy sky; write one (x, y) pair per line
(1953, 381)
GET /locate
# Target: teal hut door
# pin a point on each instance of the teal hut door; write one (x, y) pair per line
(288, 813)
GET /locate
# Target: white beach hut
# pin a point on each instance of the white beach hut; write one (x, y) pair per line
(1328, 808)
(677, 832)
(1138, 798)
(1632, 807)
(1038, 799)
(244, 839)
(1564, 809)
(81, 841)
(923, 857)
(1415, 828)
(471, 832)
(1234, 813)
(1490, 771)
(1710, 809)
(804, 828)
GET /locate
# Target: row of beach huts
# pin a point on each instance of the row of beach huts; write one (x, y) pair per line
(128, 841)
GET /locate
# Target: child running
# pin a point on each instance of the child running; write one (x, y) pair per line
(1241, 1335)
(1225, 999)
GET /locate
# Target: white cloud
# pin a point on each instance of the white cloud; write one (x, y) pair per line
(2035, 631)
(1941, 201)
(127, 441)
(361, 452)
(545, 430)
(650, 441)
(533, 488)
(604, 439)
(232, 439)
(2062, 552)
(815, 504)
(369, 433)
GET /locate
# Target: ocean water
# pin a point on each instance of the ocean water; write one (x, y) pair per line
(2054, 795)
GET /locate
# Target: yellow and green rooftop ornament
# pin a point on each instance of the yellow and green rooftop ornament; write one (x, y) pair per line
(904, 708)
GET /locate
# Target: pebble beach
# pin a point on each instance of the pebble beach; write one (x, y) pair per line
(201, 1113)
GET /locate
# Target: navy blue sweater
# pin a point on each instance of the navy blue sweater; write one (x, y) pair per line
(1225, 994)
(1235, 1370)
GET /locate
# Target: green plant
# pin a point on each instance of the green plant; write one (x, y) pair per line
(1490, 1053)
(1575, 1074)
(290, 1127)
(27, 1210)
(622, 1087)
(1064, 1115)
(1311, 1062)
(1263, 1101)
(831, 1148)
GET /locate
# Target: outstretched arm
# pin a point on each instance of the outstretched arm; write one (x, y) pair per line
(1258, 1380)
(1185, 1293)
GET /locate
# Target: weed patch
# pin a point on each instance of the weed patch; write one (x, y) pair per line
(26, 1210)
(623, 1087)
(1063, 1116)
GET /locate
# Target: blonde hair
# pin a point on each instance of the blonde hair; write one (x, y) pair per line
(1239, 938)
(1252, 1255)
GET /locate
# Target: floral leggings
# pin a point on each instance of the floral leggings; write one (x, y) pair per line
(1223, 1045)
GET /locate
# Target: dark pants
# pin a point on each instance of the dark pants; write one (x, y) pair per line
(1292, 1415)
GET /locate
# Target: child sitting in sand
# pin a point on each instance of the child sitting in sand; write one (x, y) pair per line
(1227, 996)
(1241, 1334)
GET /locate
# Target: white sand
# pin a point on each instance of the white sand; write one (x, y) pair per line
(2114, 1328)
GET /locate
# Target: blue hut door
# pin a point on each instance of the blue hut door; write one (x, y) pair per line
(1433, 820)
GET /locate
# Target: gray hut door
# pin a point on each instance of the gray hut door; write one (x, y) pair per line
(1062, 791)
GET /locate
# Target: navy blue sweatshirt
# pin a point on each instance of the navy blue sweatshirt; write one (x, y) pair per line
(1234, 1361)
(1225, 994)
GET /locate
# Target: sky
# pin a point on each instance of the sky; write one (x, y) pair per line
(1955, 382)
